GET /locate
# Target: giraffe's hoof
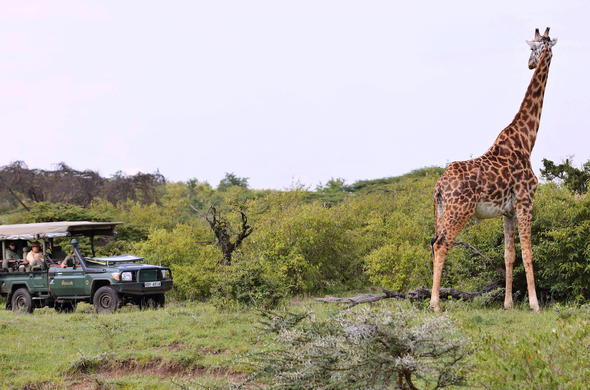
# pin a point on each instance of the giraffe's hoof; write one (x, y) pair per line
(508, 305)
(435, 308)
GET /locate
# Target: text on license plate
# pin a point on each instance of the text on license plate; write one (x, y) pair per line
(153, 284)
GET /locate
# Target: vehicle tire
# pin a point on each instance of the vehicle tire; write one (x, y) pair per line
(65, 307)
(22, 302)
(154, 301)
(106, 300)
(160, 300)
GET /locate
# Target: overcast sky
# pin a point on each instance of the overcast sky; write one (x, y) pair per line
(282, 92)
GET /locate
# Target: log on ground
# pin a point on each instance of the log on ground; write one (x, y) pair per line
(414, 295)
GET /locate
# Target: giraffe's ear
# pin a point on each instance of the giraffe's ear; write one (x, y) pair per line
(553, 42)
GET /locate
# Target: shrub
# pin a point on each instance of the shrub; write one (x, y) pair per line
(366, 348)
(245, 283)
(194, 266)
(395, 265)
(310, 247)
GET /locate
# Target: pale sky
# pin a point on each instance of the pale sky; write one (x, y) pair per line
(282, 92)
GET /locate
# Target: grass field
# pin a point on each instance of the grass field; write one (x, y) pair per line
(195, 346)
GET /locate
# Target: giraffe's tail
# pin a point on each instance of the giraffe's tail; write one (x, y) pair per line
(438, 219)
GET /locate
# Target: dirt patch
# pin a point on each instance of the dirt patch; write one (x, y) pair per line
(179, 346)
(161, 368)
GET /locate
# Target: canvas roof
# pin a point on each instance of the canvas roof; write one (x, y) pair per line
(33, 231)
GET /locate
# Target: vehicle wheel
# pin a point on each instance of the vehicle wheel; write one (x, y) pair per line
(65, 307)
(22, 302)
(160, 300)
(106, 300)
(154, 301)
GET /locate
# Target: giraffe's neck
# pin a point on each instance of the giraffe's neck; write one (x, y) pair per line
(520, 136)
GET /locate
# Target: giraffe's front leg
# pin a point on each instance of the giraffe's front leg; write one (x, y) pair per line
(524, 216)
(509, 256)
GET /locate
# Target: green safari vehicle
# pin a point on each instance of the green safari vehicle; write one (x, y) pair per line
(61, 280)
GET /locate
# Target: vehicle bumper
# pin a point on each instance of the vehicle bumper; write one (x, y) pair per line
(138, 288)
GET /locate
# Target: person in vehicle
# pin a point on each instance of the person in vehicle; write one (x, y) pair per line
(57, 253)
(9, 255)
(35, 260)
(69, 261)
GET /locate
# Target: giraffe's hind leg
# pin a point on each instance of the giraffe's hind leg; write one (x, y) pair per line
(509, 256)
(454, 218)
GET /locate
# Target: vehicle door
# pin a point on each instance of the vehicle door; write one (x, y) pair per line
(37, 281)
(69, 281)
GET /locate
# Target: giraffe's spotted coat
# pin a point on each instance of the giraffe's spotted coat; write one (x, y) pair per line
(501, 182)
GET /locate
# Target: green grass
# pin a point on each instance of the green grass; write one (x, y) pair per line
(195, 346)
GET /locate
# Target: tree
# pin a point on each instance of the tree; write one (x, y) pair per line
(574, 179)
(230, 180)
(19, 184)
(223, 231)
(333, 185)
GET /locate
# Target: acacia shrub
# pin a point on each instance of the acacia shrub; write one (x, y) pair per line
(381, 347)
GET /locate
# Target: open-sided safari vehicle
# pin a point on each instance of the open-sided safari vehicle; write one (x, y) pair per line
(59, 280)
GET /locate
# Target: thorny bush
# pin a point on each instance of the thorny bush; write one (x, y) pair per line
(380, 347)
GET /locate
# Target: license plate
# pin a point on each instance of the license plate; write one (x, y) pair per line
(152, 284)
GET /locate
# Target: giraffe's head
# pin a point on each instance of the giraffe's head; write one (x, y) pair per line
(538, 45)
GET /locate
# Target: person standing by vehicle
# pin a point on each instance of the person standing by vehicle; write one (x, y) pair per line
(9, 254)
(35, 260)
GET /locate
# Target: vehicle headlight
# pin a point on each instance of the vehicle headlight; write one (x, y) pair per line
(165, 274)
(126, 276)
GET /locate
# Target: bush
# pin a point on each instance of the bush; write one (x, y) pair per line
(245, 283)
(310, 247)
(394, 265)
(560, 230)
(365, 348)
(194, 266)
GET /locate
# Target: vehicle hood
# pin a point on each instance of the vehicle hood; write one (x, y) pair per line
(120, 258)
(135, 267)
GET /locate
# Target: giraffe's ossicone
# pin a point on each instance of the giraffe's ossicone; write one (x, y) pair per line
(500, 182)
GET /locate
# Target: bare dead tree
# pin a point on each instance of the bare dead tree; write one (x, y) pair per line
(223, 231)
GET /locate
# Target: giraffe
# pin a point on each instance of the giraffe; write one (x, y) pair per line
(500, 182)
